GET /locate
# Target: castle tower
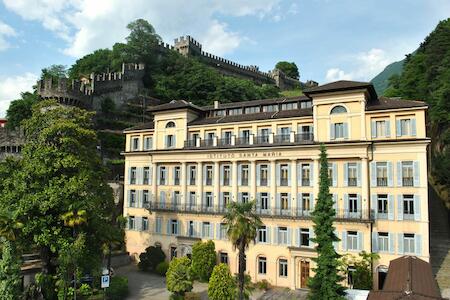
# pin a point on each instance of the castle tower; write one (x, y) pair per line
(187, 46)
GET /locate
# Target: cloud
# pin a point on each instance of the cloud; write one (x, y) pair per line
(5, 31)
(363, 66)
(87, 25)
(11, 87)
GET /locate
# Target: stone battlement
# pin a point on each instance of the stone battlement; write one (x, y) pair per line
(70, 92)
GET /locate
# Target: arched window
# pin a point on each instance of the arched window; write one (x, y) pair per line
(170, 124)
(338, 110)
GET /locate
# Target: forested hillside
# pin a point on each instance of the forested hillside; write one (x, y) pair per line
(426, 76)
(381, 81)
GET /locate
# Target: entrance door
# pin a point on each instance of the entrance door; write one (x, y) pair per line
(304, 273)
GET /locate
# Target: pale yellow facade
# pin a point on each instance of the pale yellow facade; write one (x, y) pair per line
(378, 170)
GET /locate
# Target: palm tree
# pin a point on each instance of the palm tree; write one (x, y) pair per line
(242, 224)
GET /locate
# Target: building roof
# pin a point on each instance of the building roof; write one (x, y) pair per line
(148, 125)
(341, 85)
(253, 117)
(392, 103)
(408, 278)
(174, 104)
(256, 102)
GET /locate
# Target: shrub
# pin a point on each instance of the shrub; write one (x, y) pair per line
(118, 288)
(179, 279)
(222, 285)
(85, 290)
(176, 297)
(162, 268)
(192, 296)
(249, 287)
(263, 285)
(149, 259)
(203, 260)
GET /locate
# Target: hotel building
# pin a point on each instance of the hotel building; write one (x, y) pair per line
(191, 161)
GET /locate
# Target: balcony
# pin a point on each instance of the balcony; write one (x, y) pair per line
(408, 181)
(364, 216)
(305, 182)
(263, 140)
(381, 181)
(352, 181)
(284, 182)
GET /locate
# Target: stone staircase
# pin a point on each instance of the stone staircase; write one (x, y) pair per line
(439, 218)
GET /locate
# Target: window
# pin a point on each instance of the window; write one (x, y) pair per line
(226, 175)
(263, 175)
(351, 275)
(223, 231)
(284, 174)
(352, 203)
(209, 200)
(131, 223)
(405, 127)
(192, 174)
(330, 173)
(176, 198)
(284, 199)
(304, 237)
(148, 143)
(235, 111)
(285, 134)
(191, 231)
(133, 174)
(264, 198)
(146, 198)
(264, 135)
(339, 130)
(173, 252)
(135, 143)
(173, 227)
(262, 234)
(223, 258)
(305, 104)
(146, 179)
(244, 197)
(338, 110)
(382, 206)
(270, 108)
(158, 227)
(162, 176)
(352, 174)
(192, 199)
(226, 199)
(408, 207)
(206, 229)
(244, 175)
(352, 240)
(245, 137)
(283, 268)
(409, 243)
(209, 138)
(170, 141)
(289, 106)
(306, 173)
(383, 242)
(227, 137)
(252, 109)
(209, 175)
(170, 124)
(380, 128)
(219, 113)
(382, 177)
(133, 198)
(176, 175)
(306, 201)
(407, 173)
(262, 265)
(282, 235)
(144, 224)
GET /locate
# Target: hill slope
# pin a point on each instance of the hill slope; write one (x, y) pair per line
(381, 81)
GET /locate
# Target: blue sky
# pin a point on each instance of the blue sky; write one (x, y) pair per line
(327, 39)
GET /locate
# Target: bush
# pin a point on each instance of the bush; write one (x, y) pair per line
(222, 285)
(162, 268)
(85, 290)
(192, 296)
(179, 280)
(149, 259)
(249, 287)
(118, 288)
(263, 285)
(203, 260)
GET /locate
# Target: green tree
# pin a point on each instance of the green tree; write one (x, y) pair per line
(242, 224)
(149, 259)
(363, 266)
(288, 68)
(59, 172)
(54, 72)
(10, 278)
(178, 277)
(21, 109)
(326, 282)
(203, 260)
(99, 61)
(222, 285)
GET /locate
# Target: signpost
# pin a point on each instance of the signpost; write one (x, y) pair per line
(105, 284)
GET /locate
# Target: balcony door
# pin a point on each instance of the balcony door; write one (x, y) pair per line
(304, 274)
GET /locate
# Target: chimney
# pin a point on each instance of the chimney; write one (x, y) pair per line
(216, 104)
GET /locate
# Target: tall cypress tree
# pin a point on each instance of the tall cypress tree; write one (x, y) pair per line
(326, 282)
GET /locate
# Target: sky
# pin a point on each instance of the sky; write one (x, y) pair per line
(328, 39)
